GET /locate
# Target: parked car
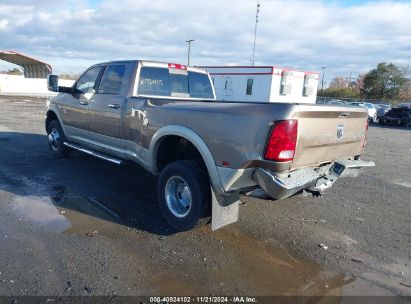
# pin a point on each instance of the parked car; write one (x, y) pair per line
(380, 111)
(384, 106)
(356, 103)
(372, 111)
(165, 117)
(397, 116)
(405, 105)
(335, 102)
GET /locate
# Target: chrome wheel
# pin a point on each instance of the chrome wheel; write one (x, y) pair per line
(54, 139)
(178, 196)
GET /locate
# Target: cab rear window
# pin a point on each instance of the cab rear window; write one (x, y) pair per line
(156, 81)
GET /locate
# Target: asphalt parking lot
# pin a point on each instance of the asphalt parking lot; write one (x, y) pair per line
(81, 226)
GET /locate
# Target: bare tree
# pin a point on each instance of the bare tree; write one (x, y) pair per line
(339, 83)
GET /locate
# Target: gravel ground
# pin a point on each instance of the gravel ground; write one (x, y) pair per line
(80, 226)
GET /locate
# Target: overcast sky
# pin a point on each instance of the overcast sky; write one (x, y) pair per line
(345, 36)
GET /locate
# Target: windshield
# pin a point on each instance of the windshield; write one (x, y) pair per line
(160, 82)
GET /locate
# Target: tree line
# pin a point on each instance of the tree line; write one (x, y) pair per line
(387, 81)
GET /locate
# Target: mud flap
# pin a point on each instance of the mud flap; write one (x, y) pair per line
(224, 212)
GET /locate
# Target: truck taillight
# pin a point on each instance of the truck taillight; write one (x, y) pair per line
(365, 135)
(282, 142)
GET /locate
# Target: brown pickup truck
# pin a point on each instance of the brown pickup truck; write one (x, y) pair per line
(206, 152)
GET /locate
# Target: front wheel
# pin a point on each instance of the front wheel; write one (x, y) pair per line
(56, 139)
(184, 194)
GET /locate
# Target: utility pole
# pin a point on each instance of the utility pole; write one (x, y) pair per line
(189, 49)
(322, 79)
(255, 32)
(349, 84)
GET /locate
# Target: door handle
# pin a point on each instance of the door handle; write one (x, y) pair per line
(114, 105)
(83, 103)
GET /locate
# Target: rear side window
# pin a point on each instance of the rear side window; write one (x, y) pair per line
(112, 79)
(160, 82)
(199, 85)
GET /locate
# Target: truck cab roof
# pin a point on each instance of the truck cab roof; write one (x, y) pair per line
(160, 64)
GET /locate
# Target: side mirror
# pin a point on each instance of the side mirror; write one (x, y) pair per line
(53, 83)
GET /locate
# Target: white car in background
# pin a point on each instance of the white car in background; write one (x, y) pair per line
(372, 110)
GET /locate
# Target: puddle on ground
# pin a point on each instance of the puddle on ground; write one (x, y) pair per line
(267, 270)
(41, 211)
(243, 265)
(65, 213)
(239, 265)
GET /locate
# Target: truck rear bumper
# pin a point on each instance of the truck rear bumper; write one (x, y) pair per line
(311, 179)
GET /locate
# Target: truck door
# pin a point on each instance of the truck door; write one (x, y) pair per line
(105, 107)
(76, 105)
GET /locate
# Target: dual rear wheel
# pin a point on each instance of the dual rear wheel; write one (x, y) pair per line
(184, 194)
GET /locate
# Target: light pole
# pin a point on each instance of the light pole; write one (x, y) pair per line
(255, 32)
(189, 49)
(322, 79)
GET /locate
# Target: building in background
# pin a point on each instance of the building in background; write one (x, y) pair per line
(263, 84)
(33, 82)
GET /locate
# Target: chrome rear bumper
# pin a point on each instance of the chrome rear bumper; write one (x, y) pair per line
(311, 179)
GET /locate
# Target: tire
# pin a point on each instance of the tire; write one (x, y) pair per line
(56, 138)
(184, 195)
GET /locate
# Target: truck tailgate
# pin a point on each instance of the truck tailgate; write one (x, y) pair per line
(328, 133)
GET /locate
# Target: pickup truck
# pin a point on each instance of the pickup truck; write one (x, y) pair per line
(206, 152)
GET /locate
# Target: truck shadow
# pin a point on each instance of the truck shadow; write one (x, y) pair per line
(78, 188)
